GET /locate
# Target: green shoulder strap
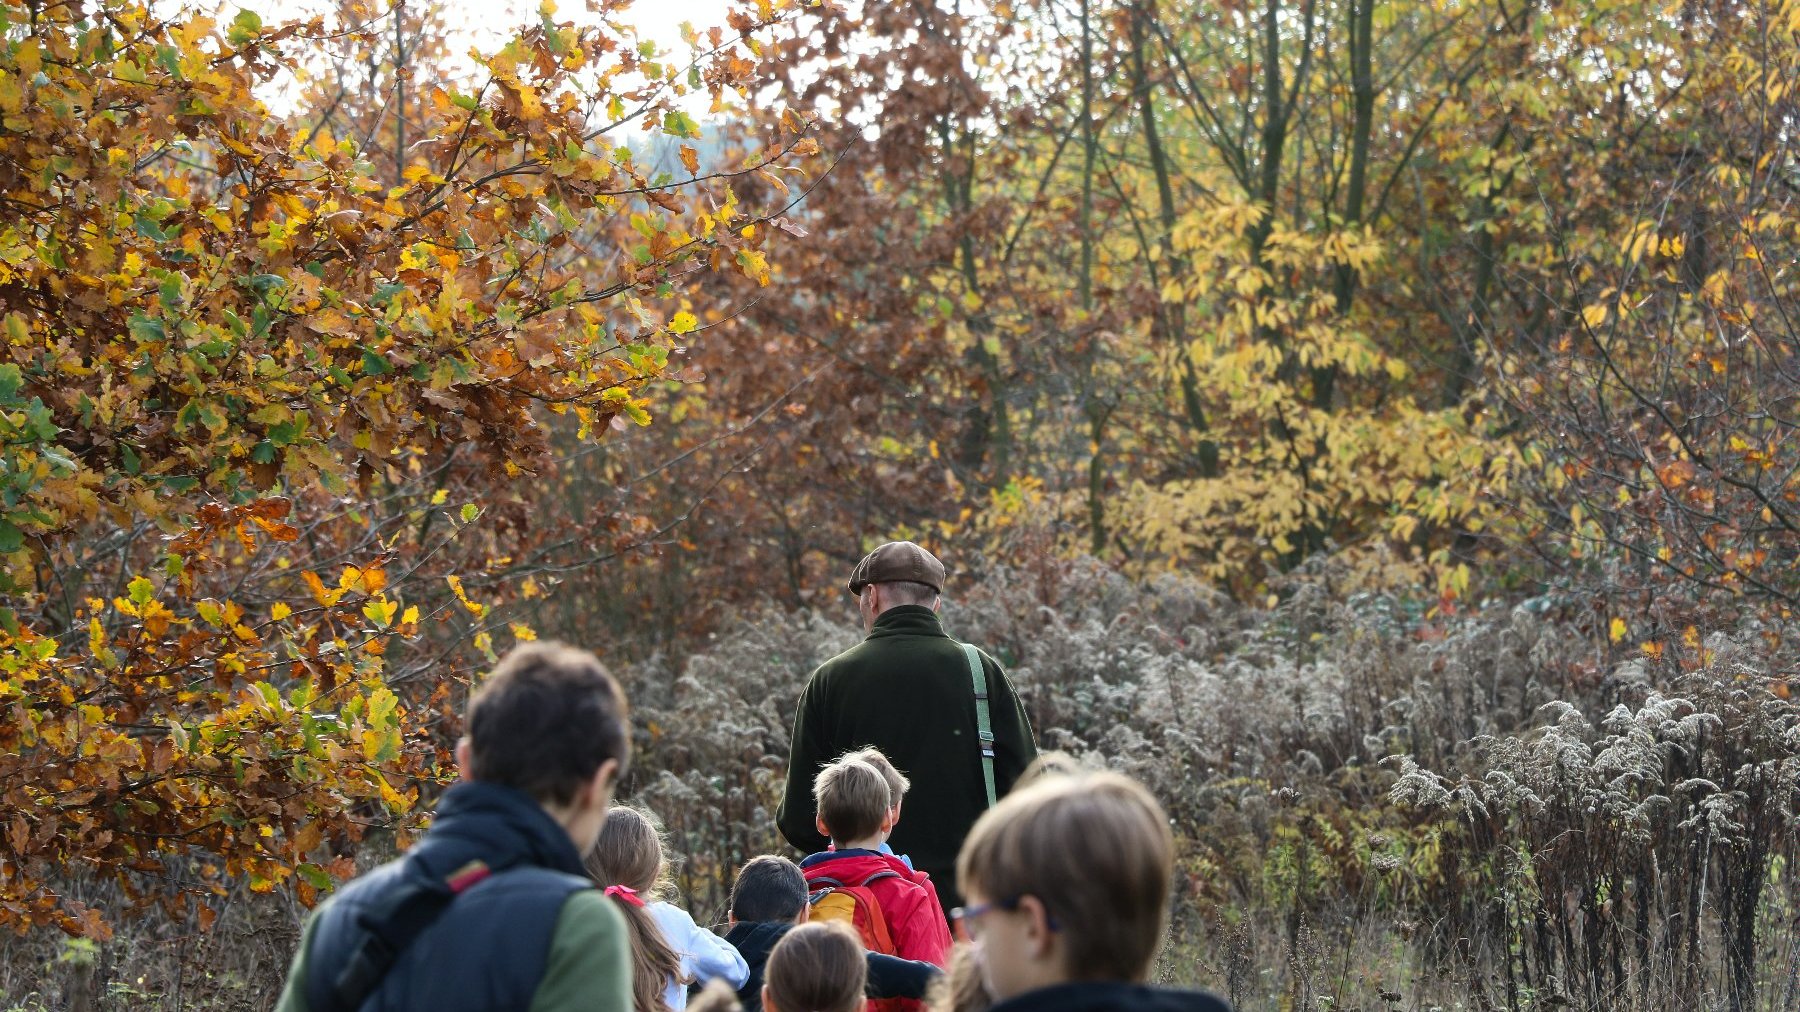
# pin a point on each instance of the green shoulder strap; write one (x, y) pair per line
(983, 725)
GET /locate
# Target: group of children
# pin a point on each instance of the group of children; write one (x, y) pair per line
(1066, 880)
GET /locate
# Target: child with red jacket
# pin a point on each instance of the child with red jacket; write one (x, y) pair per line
(856, 810)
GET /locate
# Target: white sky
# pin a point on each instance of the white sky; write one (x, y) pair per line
(487, 24)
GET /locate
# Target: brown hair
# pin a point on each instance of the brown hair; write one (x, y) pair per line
(629, 853)
(1096, 851)
(897, 783)
(545, 720)
(960, 988)
(853, 799)
(817, 967)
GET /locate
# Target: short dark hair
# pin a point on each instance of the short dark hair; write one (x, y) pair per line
(769, 888)
(544, 720)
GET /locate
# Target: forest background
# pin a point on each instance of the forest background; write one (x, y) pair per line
(1370, 423)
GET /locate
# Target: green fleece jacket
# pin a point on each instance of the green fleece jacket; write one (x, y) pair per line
(906, 690)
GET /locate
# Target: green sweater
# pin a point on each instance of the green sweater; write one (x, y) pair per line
(906, 690)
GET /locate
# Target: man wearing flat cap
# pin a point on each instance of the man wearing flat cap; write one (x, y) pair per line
(908, 689)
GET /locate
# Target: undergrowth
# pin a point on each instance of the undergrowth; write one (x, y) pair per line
(1376, 809)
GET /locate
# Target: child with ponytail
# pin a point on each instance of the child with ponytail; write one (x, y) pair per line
(669, 951)
(816, 967)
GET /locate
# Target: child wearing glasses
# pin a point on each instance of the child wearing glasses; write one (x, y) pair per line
(1067, 882)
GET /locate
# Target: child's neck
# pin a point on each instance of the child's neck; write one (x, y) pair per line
(867, 843)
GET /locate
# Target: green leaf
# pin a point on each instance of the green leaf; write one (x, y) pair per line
(680, 124)
(146, 328)
(314, 875)
(170, 59)
(11, 538)
(149, 229)
(246, 26)
(469, 512)
(10, 381)
(141, 591)
(375, 365)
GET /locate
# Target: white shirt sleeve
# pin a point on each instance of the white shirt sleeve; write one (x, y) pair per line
(704, 955)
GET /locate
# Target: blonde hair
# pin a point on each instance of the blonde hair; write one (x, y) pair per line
(819, 966)
(1096, 851)
(1054, 763)
(960, 988)
(853, 799)
(629, 853)
(717, 997)
(897, 783)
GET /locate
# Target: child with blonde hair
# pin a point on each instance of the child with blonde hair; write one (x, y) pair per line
(894, 908)
(898, 785)
(674, 952)
(1067, 882)
(816, 968)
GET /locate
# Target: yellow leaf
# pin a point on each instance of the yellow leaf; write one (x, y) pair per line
(1618, 629)
(279, 611)
(1594, 315)
(381, 612)
(683, 322)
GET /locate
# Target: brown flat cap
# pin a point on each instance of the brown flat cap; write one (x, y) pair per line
(897, 561)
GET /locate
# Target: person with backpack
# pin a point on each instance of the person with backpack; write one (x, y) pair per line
(894, 908)
(491, 908)
(1068, 883)
(768, 900)
(941, 710)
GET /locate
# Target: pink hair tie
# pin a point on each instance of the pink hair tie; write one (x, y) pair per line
(625, 893)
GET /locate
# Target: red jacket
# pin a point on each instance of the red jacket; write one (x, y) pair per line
(909, 902)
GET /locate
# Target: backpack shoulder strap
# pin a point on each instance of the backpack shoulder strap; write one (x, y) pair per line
(877, 875)
(391, 925)
(984, 728)
(879, 939)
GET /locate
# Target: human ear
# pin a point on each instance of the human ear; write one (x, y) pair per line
(1038, 934)
(598, 791)
(819, 824)
(768, 1001)
(464, 758)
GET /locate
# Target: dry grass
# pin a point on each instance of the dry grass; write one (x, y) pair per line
(1554, 799)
